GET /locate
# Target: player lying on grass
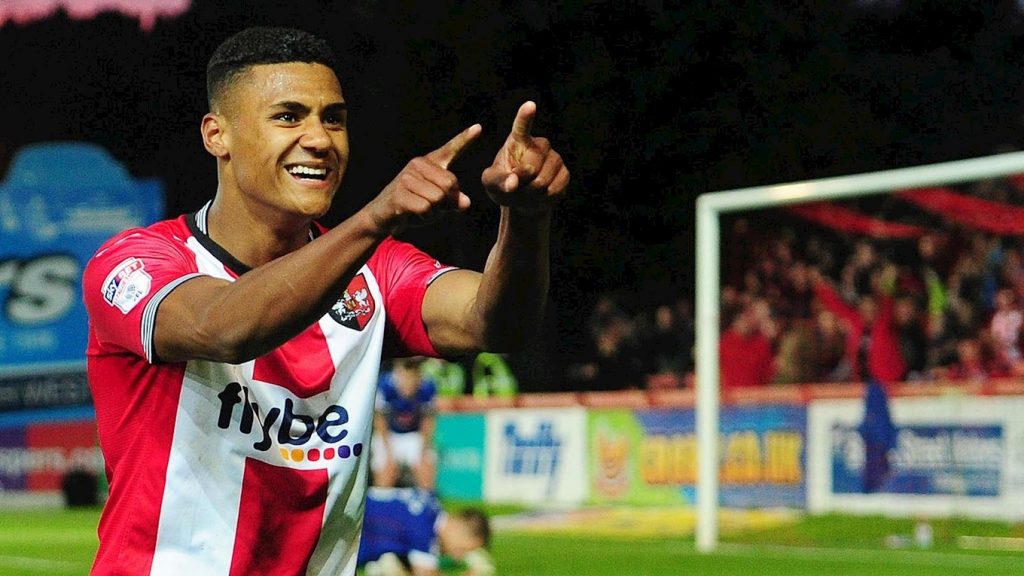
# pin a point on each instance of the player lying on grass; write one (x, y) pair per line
(405, 532)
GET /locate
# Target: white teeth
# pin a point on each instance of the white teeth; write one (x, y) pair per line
(307, 171)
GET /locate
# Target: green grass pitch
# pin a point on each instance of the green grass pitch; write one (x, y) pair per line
(62, 542)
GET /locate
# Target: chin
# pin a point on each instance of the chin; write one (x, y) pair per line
(313, 206)
(315, 211)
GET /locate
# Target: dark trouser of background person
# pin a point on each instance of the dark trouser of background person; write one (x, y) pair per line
(879, 434)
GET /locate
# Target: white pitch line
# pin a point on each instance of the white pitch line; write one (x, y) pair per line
(991, 543)
(871, 557)
(63, 535)
(42, 565)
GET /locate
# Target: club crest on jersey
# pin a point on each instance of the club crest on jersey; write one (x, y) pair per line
(356, 306)
(127, 285)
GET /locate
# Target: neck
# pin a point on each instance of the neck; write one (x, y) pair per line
(255, 236)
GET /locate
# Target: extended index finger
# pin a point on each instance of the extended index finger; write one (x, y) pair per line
(451, 149)
(523, 123)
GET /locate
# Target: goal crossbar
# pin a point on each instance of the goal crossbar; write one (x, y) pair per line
(710, 207)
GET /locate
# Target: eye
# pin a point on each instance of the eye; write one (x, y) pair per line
(288, 117)
(335, 119)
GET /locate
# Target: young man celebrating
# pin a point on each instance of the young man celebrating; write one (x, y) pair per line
(233, 352)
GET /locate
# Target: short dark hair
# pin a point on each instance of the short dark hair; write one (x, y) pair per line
(479, 524)
(262, 45)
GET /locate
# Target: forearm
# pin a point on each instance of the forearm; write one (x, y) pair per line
(380, 427)
(501, 308)
(267, 306)
(427, 427)
(510, 301)
(830, 298)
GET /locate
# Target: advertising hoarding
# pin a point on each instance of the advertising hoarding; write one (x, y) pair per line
(536, 456)
(459, 440)
(955, 455)
(58, 203)
(650, 456)
(37, 450)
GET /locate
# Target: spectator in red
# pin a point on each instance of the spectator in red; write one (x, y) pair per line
(872, 345)
(745, 352)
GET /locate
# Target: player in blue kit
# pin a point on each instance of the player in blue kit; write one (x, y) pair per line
(405, 532)
(403, 442)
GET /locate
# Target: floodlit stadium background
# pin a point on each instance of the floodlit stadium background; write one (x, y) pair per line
(651, 105)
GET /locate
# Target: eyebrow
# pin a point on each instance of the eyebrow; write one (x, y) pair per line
(299, 107)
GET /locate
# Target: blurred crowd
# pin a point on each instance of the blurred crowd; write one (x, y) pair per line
(804, 304)
(649, 348)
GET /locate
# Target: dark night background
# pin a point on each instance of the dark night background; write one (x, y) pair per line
(650, 103)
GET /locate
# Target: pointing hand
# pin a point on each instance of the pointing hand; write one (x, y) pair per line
(424, 188)
(527, 174)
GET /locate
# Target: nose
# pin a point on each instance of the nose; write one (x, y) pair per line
(315, 136)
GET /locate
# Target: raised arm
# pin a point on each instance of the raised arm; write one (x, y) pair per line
(214, 319)
(501, 308)
(830, 298)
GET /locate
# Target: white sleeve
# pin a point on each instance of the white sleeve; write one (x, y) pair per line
(426, 560)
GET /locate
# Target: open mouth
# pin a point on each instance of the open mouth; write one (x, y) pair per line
(308, 172)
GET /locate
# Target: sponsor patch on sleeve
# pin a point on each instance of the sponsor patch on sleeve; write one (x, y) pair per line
(127, 285)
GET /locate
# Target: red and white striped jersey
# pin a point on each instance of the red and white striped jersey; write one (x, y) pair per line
(254, 468)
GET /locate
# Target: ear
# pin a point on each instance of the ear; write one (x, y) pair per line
(214, 138)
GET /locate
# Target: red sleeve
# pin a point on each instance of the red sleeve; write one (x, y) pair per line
(835, 304)
(886, 360)
(124, 283)
(403, 273)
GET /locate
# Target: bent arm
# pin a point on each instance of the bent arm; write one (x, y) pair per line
(264, 308)
(380, 428)
(501, 308)
(830, 298)
(224, 321)
(427, 427)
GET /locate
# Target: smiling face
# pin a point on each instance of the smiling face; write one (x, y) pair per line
(280, 133)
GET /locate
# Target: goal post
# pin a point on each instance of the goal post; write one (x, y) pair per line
(710, 207)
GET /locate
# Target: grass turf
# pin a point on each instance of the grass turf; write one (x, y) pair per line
(62, 542)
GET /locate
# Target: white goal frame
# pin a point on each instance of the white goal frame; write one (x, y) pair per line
(710, 207)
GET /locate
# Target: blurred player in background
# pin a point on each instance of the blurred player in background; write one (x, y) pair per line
(234, 352)
(402, 453)
(405, 532)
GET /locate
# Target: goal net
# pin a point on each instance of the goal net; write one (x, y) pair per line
(908, 283)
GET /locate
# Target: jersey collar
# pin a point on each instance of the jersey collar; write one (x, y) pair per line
(199, 224)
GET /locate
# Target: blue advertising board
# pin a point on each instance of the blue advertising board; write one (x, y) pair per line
(951, 459)
(58, 203)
